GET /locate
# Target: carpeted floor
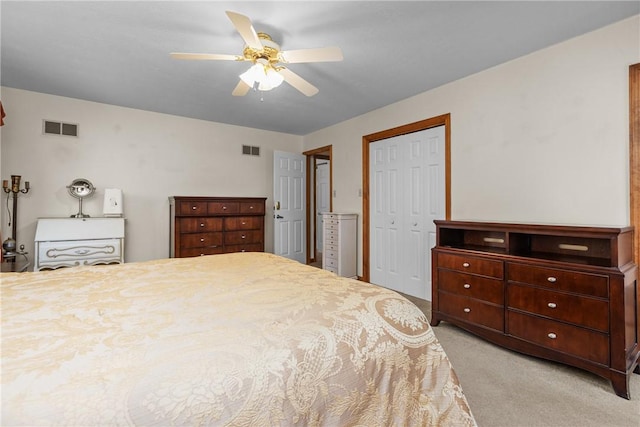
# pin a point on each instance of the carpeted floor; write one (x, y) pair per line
(505, 388)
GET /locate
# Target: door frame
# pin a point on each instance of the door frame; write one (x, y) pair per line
(325, 152)
(634, 156)
(442, 120)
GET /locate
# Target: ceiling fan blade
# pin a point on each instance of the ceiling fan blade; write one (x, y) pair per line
(206, 56)
(241, 89)
(323, 54)
(298, 82)
(245, 28)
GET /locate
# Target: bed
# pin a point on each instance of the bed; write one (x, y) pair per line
(245, 339)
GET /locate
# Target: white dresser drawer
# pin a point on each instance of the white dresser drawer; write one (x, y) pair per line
(78, 252)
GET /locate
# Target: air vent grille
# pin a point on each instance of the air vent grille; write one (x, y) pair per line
(250, 150)
(50, 127)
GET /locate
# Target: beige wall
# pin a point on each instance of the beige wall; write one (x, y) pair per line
(543, 138)
(149, 156)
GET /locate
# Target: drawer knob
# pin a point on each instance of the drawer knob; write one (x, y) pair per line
(467, 310)
(466, 286)
(465, 264)
(552, 305)
(250, 207)
(193, 208)
(551, 279)
(244, 223)
(552, 335)
(201, 254)
(202, 224)
(244, 237)
(202, 240)
(224, 208)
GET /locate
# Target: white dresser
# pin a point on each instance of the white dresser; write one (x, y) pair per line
(69, 242)
(339, 248)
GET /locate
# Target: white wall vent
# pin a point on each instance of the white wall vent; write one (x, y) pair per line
(250, 151)
(58, 128)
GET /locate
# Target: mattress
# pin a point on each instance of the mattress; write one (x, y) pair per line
(244, 339)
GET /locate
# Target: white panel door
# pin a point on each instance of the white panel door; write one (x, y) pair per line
(407, 193)
(289, 205)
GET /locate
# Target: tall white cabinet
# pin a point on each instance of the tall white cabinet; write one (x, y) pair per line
(340, 243)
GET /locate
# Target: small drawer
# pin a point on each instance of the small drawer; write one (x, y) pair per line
(330, 233)
(583, 343)
(195, 225)
(198, 240)
(331, 254)
(223, 208)
(252, 208)
(588, 312)
(211, 250)
(251, 247)
(330, 268)
(331, 225)
(472, 310)
(564, 280)
(470, 264)
(185, 207)
(470, 285)
(242, 223)
(330, 246)
(330, 262)
(243, 237)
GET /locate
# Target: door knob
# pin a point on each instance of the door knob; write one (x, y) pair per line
(279, 217)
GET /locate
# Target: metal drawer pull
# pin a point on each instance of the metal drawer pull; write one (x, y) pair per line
(193, 208)
(465, 264)
(202, 224)
(250, 207)
(244, 237)
(552, 305)
(467, 310)
(552, 335)
(224, 208)
(82, 251)
(202, 240)
(466, 286)
(244, 223)
(551, 279)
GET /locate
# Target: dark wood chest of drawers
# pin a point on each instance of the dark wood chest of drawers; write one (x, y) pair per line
(216, 225)
(563, 293)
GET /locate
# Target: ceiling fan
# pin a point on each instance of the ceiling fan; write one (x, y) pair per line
(268, 69)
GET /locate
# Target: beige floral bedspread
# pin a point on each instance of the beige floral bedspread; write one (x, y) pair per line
(237, 339)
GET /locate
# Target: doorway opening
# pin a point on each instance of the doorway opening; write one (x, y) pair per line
(319, 198)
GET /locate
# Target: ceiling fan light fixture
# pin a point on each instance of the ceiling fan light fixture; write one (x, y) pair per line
(263, 74)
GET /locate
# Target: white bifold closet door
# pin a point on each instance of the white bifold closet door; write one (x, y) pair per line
(407, 192)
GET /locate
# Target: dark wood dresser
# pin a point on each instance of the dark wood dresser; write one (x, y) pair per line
(563, 293)
(216, 225)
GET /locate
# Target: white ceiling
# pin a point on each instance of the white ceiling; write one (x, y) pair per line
(117, 52)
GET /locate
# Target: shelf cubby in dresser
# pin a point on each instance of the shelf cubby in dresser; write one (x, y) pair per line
(563, 293)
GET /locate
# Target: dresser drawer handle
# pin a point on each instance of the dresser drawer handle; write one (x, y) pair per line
(224, 208)
(202, 224)
(250, 207)
(82, 251)
(193, 208)
(244, 237)
(552, 305)
(465, 264)
(552, 335)
(466, 286)
(467, 310)
(551, 279)
(202, 240)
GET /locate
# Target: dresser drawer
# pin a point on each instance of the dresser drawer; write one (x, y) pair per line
(472, 310)
(186, 207)
(251, 208)
(573, 340)
(470, 285)
(223, 208)
(248, 247)
(198, 240)
(471, 264)
(331, 254)
(242, 223)
(211, 250)
(588, 312)
(243, 237)
(194, 225)
(565, 280)
(78, 252)
(331, 233)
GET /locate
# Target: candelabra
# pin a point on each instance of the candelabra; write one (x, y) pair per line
(9, 245)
